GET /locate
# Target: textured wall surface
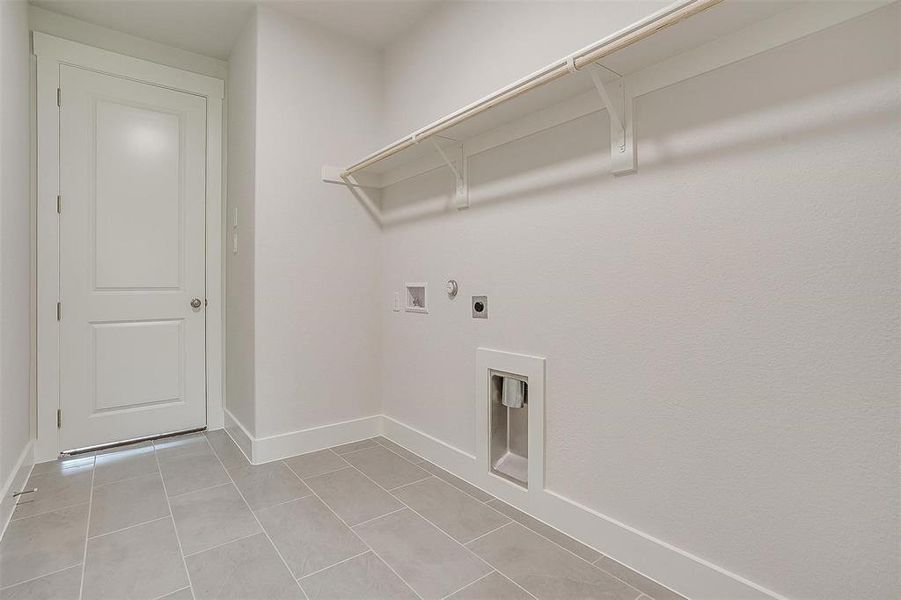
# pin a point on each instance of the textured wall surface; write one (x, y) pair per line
(721, 328)
(483, 46)
(15, 231)
(241, 194)
(317, 264)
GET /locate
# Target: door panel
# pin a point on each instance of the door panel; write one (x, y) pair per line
(138, 202)
(132, 239)
(125, 379)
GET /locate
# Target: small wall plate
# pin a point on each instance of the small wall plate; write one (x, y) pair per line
(480, 307)
(417, 297)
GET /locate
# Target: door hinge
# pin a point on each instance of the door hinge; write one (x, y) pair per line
(59, 311)
(59, 97)
(59, 205)
(59, 418)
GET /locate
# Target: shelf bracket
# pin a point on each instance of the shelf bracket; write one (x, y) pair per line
(461, 192)
(618, 101)
(362, 193)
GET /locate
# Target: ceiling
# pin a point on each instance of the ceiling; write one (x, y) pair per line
(374, 22)
(210, 27)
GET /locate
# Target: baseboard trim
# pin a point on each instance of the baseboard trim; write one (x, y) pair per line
(238, 433)
(15, 481)
(261, 450)
(672, 567)
(691, 576)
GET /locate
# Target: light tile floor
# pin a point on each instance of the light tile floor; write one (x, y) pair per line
(190, 518)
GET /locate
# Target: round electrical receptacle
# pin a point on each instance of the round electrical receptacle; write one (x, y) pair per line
(452, 288)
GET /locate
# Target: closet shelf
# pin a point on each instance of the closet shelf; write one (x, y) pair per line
(684, 40)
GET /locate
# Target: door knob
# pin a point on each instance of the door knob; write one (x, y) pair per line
(195, 303)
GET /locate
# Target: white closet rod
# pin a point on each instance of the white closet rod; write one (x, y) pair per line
(635, 33)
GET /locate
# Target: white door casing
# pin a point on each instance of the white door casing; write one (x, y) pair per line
(132, 176)
(127, 294)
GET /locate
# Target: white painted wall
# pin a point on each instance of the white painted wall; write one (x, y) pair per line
(15, 241)
(239, 281)
(721, 329)
(483, 46)
(315, 255)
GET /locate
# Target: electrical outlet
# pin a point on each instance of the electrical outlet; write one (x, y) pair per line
(480, 307)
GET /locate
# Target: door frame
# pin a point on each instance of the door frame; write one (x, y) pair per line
(51, 52)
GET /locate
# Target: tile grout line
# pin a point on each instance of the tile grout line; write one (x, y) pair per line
(371, 549)
(488, 532)
(374, 445)
(414, 511)
(243, 537)
(349, 558)
(421, 459)
(46, 512)
(132, 478)
(592, 563)
(471, 583)
(412, 482)
(640, 591)
(72, 566)
(87, 529)
(31, 475)
(197, 490)
(378, 444)
(349, 466)
(231, 439)
(106, 533)
(259, 524)
(404, 507)
(39, 476)
(493, 497)
(262, 508)
(284, 460)
(181, 551)
(544, 536)
(187, 587)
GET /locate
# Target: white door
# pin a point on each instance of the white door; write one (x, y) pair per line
(131, 225)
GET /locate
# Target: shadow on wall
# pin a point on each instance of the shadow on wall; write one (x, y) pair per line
(739, 120)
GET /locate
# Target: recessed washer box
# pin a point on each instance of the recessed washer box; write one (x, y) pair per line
(509, 404)
(508, 422)
(417, 297)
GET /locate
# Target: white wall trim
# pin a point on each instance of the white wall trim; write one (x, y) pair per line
(16, 481)
(283, 445)
(238, 433)
(51, 52)
(292, 443)
(677, 569)
(73, 53)
(70, 28)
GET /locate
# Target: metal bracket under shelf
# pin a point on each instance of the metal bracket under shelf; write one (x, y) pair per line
(618, 101)
(368, 195)
(365, 196)
(461, 190)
